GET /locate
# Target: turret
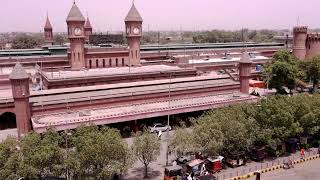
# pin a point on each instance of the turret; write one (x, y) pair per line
(133, 22)
(299, 41)
(20, 92)
(87, 30)
(313, 45)
(48, 34)
(75, 22)
(245, 72)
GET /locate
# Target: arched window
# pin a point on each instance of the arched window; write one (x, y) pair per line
(110, 62)
(122, 61)
(117, 62)
(8, 121)
(104, 63)
(97, 63)
(132, 54)
(90, 64)
(78, 56)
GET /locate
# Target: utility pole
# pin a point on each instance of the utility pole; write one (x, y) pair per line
(168, 123)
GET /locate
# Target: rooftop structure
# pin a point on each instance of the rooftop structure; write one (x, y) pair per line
(18, 72)
(75, 14)
(133, 15)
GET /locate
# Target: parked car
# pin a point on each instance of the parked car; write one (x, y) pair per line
(159, 127)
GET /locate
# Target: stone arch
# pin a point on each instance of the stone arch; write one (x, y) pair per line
(8, 121)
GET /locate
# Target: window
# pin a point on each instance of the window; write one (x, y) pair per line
(90, 64)
(132, 54)
(116, 61)
(122, 61)
(104, 63)
(136, 54)
(110, 62)
(309, 46)
(97, 63)
(78, 56)
(74, 57)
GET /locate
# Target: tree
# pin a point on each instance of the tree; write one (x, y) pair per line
(9, 159)
(208, 136)
(146, 147)
(24, 41)
(60, 39)
(282, 71)
(42, 155)
(100, 153)
(182, 142)
(312, 71)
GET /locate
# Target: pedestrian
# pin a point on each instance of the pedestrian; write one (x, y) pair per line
(302, 153)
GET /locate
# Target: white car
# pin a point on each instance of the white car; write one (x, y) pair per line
(159, 127)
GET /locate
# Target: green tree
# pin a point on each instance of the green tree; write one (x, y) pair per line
(60, 39)
(207, 133)
(42, 155)
(24, 41)
(99, 153)
(182, 142)
(282, 71)
(146, 147)
(312, 71)
(9, 159)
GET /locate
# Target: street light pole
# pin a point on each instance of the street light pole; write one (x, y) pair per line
(168, 123)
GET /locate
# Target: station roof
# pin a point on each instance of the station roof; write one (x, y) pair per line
(109, 71)
(226, 60)
(106, 115)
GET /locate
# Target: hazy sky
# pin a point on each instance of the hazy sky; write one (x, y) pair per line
(106, 15)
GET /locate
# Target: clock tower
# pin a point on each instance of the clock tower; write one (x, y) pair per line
(75, 22)
(133, 23)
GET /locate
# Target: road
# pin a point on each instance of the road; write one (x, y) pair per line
(304, 171)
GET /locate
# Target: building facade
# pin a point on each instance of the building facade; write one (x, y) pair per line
(81, 56)
(305, 44)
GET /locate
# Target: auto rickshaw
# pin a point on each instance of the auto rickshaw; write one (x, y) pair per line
(258, 153)
(236, 159)
(214, 164)
(173, 173)
(195, 166)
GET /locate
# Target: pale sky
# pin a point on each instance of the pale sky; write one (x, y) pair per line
(106, 15)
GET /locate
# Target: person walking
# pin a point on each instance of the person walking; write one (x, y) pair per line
(302, 153)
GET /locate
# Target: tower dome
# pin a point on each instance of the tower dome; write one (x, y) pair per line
(87, 25)
(133, 15)
(47, 24)
(75, 14)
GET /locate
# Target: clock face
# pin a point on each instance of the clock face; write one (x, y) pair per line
(77, 31)
(136, 30)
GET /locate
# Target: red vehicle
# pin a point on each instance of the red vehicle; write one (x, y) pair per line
(214, 165)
